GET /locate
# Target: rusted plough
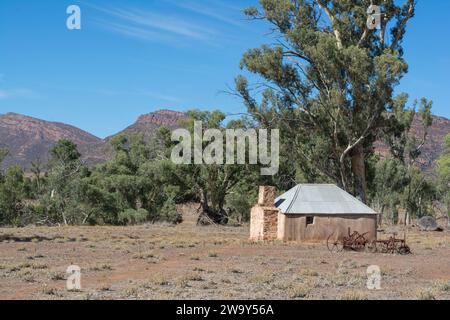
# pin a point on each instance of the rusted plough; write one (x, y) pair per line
(390, 246)
(353, 242)
(358, 242)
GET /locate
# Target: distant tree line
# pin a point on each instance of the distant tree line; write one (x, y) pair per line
(141, 184)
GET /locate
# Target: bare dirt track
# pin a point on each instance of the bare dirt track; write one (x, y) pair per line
(189, 262)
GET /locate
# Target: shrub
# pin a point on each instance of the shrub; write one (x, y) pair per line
(240, 204)
(299, 291)
(426, 294)
(169, 212)
(133, 217)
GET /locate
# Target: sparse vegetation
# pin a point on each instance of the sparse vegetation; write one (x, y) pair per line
(354, 295)
(298, 291)
(265, 277)
(50, 291)
(57, 276)
(275, 271)
(213, 254)
(425, 294)
(442, 286)
(105, 288)
(309, 273)
(159, 280)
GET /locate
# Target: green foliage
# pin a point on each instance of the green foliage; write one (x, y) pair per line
(443, 170)
(169, 212)
(3, 154)
(389, 183)
(132, 183)
(62, 196)
(132, 216)
(12, 193)
(64, 152)
(209, 183)
(419, 194)
(240, 202)
(399, 179)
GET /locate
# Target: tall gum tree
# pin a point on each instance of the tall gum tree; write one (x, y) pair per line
(329, 78)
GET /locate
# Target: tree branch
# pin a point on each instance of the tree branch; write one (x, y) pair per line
(403, 23)
(357, 142)
(333, 21)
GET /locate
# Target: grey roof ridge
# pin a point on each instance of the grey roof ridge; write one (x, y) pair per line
(294, 198)
(365, 205)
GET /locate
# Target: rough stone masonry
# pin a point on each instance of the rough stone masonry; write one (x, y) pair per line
(264, 216)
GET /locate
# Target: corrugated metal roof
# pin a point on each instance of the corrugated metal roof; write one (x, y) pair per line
(320, 199)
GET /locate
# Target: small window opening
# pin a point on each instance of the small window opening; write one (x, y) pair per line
(309, 220)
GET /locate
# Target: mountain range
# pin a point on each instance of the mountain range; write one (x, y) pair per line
(29, 139)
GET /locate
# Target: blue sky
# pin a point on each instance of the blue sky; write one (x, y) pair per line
(133, 57)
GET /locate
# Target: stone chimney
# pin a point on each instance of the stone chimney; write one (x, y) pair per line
(264, 216)
(267, 196)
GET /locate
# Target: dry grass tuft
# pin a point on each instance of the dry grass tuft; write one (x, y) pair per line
(442, 286)
(266, 277)
(298, 291)
(159, 280)
(309, 273)
(425, 294)
(50, 291)
(354, 295)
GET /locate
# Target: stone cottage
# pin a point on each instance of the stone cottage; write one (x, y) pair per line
(310, 213)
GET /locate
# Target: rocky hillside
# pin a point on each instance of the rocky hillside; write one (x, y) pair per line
(29, 139)
(435, 141)
(148, 123)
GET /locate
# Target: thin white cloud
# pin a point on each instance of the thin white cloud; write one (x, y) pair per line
(132, 31)
(214, 12)
(149, 25)
(17, 93)
(160, 22)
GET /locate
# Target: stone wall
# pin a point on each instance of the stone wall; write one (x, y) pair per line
(264, 216)
(263, 223)
(267, 196)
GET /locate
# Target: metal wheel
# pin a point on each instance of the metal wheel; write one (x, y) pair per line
(403, 250)
(334, 246)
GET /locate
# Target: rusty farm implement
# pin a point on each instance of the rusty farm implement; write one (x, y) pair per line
(358, 242)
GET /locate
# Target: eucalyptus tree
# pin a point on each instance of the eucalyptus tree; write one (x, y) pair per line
(328, 81)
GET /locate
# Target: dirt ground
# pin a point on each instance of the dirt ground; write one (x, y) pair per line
(190, 262)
